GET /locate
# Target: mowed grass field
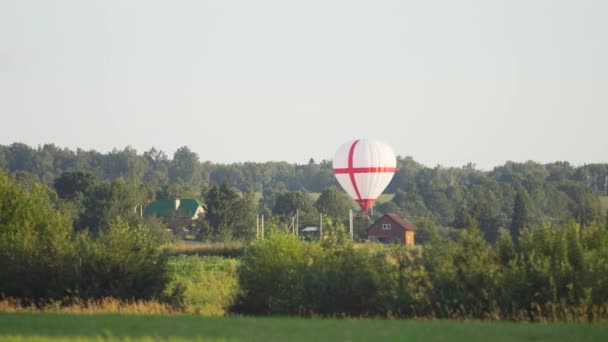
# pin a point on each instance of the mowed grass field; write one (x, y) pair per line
(98, 327)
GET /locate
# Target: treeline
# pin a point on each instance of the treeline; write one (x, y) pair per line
(508, 198)
(157, 170)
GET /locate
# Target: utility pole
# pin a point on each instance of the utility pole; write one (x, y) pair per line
(297, 231)
(321, 226)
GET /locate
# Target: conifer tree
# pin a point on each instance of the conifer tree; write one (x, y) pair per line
(521, 216)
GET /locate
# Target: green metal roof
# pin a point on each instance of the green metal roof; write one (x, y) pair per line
(166, 208)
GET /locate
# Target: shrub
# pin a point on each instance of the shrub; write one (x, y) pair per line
(270, 275)
(551, 273)
(35, 245)
(122, 262)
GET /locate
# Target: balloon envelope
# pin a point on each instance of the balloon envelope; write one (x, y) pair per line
(364, 168)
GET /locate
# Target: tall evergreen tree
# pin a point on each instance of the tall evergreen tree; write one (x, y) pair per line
(521, 216)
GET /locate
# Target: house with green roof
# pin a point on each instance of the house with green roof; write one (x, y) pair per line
(183, 208)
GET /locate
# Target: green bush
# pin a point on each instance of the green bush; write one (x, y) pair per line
(552, 272)
(283, 275)
(36, 251)
(123, 261)
(270, 275)
(41, 259)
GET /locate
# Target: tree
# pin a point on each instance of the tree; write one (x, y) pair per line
(71, 184)
(157, 167)
(177, 191)
(521, 217)
(185, 167)
(244, 212)
(334, 203)
(3, 161)
(35, 243)
(426, 231)
(229, 215)
(20, 157)
(288, 203)
(361, 224)
(411, 204)
(584, 203)
(404, 179)
(108, 201)
(125, 164)
(25, 179)
(463, 219)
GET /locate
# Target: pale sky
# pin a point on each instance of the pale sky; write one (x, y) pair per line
(446, 82)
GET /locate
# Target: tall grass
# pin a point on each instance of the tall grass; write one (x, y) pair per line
(202, 285)
(76, 305)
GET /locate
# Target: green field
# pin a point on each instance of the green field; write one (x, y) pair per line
(53, 327)
(381, 199)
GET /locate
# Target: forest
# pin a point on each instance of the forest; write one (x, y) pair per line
(507, 197)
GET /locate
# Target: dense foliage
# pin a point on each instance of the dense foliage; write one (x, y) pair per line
(99, 186)
(42, 258)
(549, 273)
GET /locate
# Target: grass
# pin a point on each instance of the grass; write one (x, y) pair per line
(385, 198)
(52, 327)
(381, 199)
(90, 306)
(208, 285)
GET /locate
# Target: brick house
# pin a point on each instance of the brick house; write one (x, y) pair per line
(391, 227)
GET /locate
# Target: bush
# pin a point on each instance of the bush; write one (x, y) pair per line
(42, 260)
(270, 276)
(36, 252)
(283, 275)
(550, 273)
(123, 262)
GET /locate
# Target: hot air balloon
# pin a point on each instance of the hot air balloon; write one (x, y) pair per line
(364, 168)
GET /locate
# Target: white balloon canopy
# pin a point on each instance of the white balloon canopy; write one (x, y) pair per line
(364, 168)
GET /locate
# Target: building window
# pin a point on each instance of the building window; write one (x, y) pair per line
(372, 238)
(386, 226)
